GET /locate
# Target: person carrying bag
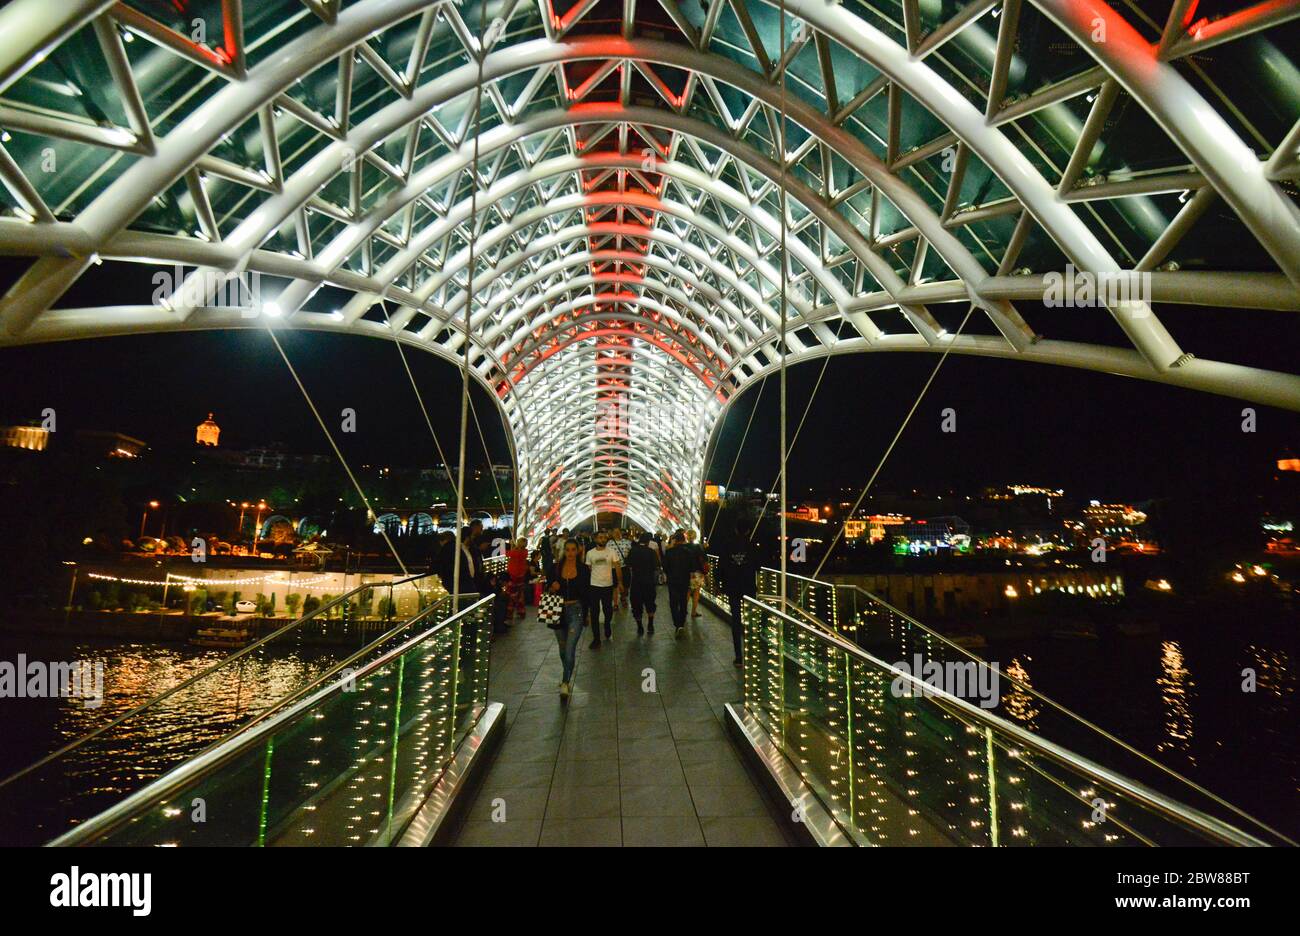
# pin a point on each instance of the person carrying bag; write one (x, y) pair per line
(570, 583)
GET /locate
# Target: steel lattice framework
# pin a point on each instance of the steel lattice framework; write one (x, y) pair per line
(624, 225)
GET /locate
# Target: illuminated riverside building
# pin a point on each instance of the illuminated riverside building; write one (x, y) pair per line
(30, 438)
(875, 526)
(616, 219)
(207, 432)
(1030, 537)
(947, 594)
(1116, 523)
(933, 535)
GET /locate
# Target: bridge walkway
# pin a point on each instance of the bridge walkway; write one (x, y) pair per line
(638, 756)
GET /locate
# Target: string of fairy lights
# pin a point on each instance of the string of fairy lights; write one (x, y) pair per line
(892, 766)
(412, 713)
(354, 761)
(898, 767)
(318, 583)
(176, 579)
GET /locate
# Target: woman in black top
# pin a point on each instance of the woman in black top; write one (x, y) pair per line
(571, 578)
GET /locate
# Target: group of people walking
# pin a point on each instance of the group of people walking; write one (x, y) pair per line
(596, 575)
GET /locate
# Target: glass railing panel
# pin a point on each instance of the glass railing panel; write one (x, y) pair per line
(122, 748)
(920, 776)
(471, 678)
(1040, 800)
(252, 799)
(346, 766)
(818, 718)
(880, 764)
(326, 772)
(945, 770)
(898, 639)
(769, 582)
(892, 635)
(764, 668)
(878, 627)
(712, 589)
(1039, 803)
(408, 747)
(427, 719)
(818, 600)
(898, 760)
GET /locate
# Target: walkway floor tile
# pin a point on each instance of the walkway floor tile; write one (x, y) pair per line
(639, 754)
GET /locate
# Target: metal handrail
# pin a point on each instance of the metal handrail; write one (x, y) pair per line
(1189, 815)
(202, 674)
(220, 754)
(1029, 690)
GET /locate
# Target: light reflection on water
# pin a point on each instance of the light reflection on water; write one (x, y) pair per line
(1183, 699)
(1275, 690)
(1176, 692)
(1275, 680)
(198, 714)
(1019, 705)
(126, 757)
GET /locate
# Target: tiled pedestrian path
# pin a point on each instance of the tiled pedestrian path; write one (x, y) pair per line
(638, 756)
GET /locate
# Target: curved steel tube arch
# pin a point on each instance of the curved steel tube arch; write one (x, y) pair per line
(607, 279)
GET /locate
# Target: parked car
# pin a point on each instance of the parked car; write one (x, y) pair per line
(245, 607)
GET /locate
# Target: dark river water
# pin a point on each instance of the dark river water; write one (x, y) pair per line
(1177, 697)
(36, 807)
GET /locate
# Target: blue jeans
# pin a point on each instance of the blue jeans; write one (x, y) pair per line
(567, 635)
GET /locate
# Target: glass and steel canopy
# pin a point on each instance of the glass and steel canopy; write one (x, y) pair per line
(607, 211)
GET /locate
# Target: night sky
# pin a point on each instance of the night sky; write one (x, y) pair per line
(1096, 435)
(159, 387)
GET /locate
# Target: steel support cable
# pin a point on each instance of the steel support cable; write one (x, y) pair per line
(480, 53)
(782, 151)
(428, 422)
(370, 512)
(793, 442)
(473, 410)
(736, 461)
(418, 396)
(893, 442)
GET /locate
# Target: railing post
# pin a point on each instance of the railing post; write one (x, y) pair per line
(849, 745)
(397, 732)
(483, 661)
(455, 689)
(993, 788)
(780, 669)
(747, 657)
(264, 805)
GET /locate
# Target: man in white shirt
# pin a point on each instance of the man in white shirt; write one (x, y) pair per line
(622, 547)
(559, 543)
(606, 573)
